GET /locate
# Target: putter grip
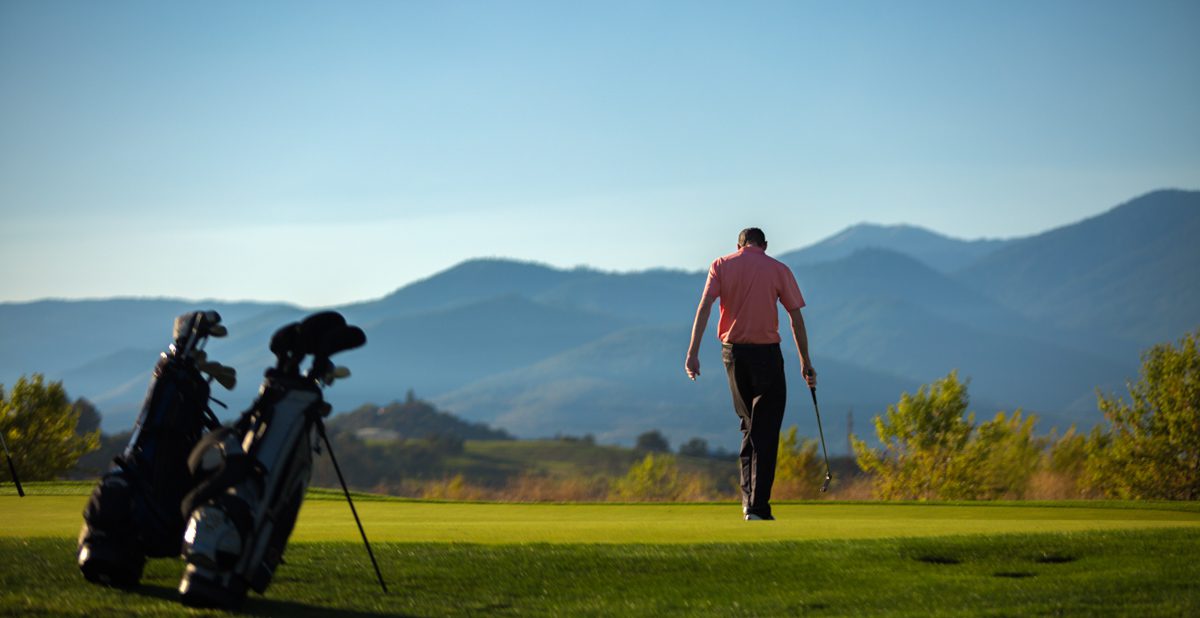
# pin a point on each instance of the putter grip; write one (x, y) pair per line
(16, 481)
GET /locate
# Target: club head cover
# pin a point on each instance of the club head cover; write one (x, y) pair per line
(340, 340)
(285, 341)
(205, 323)
(211, 318)
(315, 327)
(184, 325)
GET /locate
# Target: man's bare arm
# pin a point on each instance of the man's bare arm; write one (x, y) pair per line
(801, 335)
(692, 364)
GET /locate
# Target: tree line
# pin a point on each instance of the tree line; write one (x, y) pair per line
(928, 446)
(1147, 448)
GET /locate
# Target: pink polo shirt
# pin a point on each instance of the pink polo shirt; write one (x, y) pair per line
(749, 283)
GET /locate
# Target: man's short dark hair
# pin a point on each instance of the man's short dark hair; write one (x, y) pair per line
(752, 236)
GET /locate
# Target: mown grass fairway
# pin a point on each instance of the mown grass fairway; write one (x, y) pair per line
(604, 559)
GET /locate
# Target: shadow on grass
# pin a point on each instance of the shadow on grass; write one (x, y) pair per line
(262, 606)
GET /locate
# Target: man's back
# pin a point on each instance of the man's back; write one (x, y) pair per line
(749, 283)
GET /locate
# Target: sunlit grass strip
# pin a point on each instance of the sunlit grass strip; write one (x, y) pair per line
(491, 523)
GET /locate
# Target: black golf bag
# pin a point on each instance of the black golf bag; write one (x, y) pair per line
(133, 512)
(252, 476)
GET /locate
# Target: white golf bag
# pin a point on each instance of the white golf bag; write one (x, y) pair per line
(253, 475)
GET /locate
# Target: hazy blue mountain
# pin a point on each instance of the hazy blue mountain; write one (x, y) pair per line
(52, 336)
(442, 350)
(1037, 323)
(1009, 369)
(1131, 272)
(105, 350)
(883, 274)
(935, 250)
(120, 377)
(648, 297)
(878, 275)
(469, 282)
(432, 352)
(631, 381)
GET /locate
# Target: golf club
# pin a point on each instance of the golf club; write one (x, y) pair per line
(817, 410)
(224, 375)
(11, 467)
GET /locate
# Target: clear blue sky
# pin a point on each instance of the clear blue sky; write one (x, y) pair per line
(327, 152)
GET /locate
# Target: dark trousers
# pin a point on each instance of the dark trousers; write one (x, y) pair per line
(759, 389)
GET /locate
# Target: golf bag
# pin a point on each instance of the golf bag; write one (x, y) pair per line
(253, 475)
(134, 510)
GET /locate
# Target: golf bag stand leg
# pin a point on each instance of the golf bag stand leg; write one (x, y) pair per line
(11, 468)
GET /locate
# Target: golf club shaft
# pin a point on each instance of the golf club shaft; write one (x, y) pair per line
(11, 467)
(821, 432)
(338, 470)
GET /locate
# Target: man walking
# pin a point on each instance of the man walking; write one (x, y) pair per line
(749, 283)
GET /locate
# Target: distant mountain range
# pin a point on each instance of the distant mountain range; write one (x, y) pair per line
(942, 253)
(1038, 323)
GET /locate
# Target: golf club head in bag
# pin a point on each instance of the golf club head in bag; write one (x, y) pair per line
(253, 474)
(133, 512)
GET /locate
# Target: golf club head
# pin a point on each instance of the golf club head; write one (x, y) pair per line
(224, 375)
(218, 330)
(334, 374)
(825, 485)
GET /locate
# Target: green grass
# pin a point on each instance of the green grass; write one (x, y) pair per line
(826, 559)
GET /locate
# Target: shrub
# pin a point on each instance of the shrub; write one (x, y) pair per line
(39, 422)
(1151, 447)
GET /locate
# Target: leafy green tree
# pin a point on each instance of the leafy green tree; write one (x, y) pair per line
(1067, 458)
(799, 472)
(89, 417)
(696, 447)
(1151, 448)
(39, 424)
(932, 449)
(922, 436)
(998, 461)
(95, 463)
(447, 443)
(655, 478)
(652, 442)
